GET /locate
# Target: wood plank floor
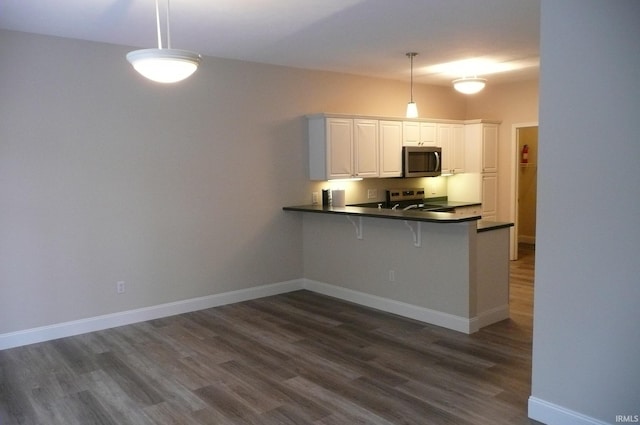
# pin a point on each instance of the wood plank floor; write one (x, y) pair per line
(298, 358)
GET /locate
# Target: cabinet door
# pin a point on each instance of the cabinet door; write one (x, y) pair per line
(366, 151)
(428, 134)
(451, 140)
(416, 133)
(490, 148)
(457, 148)
(339, 148)
(489, 196)
(390, 148)
(481, 148)
(410, 133)
(444, 141)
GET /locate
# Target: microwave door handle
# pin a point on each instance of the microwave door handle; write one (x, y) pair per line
(437, 161)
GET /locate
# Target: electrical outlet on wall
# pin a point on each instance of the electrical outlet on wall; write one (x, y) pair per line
(314, 198)
(120, 287)
(372, 193)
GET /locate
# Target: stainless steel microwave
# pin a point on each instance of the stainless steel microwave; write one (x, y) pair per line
(423, 161)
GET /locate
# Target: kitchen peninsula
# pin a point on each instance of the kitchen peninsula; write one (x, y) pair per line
(437, 267)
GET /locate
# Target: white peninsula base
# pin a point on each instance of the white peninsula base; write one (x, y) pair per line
(457, 277)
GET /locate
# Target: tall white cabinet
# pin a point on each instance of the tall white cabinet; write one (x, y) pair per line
(481, 162)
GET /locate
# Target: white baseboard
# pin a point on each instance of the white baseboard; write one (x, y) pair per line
(434, 317)
(552, 414)
(489, 317)
(92, 324)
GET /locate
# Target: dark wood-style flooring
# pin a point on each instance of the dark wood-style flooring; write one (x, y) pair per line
(297, 358)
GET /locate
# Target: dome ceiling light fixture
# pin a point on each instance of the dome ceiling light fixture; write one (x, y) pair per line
(164, 65)
(469, 85)
(412, 108)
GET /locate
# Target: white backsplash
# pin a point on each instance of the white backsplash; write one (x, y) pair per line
(435, 186)
(464, 187)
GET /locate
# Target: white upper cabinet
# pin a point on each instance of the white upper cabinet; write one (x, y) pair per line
(366, 150)
(451, 140)
(481, 148)
(416, 133)
(341, 148)
(390, 148)
(347, 146)
(330, 148)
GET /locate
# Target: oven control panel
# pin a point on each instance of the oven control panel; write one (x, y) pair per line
(395, 196)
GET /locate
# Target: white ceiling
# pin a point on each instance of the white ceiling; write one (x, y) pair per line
(365, 37)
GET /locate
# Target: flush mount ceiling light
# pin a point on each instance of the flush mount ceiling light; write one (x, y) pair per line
(164, 65)
(412, 108)
(469, 85)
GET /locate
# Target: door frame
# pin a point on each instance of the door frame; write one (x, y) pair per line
(514, 167)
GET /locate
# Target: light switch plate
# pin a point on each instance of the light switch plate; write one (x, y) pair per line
(372, 193)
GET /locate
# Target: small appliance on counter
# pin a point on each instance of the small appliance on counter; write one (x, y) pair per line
(326, 197)
(336, 197)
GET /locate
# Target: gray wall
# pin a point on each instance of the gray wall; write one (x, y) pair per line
(439, 275)
(176, 190)
(586, 347)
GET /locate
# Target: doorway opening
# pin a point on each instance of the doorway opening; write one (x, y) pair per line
(524, 186)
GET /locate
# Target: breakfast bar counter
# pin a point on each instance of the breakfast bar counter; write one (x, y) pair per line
(437, 267)
(409, 215)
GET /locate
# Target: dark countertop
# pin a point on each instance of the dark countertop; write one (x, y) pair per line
(441, 202)
(486, 225)
(409, 215)
(450, 204)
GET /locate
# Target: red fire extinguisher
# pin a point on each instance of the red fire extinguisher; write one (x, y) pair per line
(525, 154)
